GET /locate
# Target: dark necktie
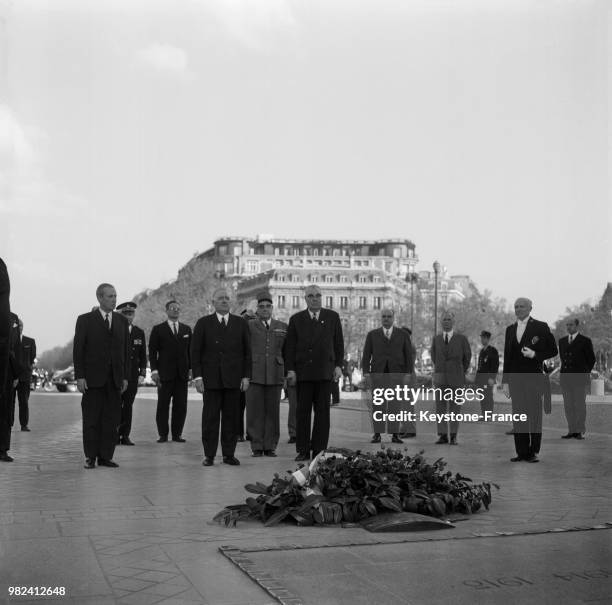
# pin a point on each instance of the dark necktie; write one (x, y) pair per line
(267, 325)
(107, 322)
(223, 324)
(314, 317)
(446, 339)
(174, 329)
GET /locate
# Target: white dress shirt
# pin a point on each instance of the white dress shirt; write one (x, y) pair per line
(110, 316)
(172, 324)
(521, 324)
(220, 317)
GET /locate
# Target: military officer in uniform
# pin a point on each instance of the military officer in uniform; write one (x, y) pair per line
(268, 372)
(488, 366)
(137, 352)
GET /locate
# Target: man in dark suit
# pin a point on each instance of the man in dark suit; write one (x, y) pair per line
(101, 367)
(221, 356)
(138, 370)
(486, 373)
(577, 361)
(268, 372)
(528, 343)
(5, 329)
(26, 355)
(314, 351)
(451, 356)
(388, 361)
(169, 346)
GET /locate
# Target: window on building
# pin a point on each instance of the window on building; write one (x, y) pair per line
(397, 252)
(295, 302)
(344, 302)
(376, 278)
(336, 252)
(363, 302)
(315, 252)
(281, 301)
(252, 266)
(377, 302)
(237, 250)
(222, 250)
(280, 277)
(329, 279)
(329, 302)
(276, 251)
(343, 279)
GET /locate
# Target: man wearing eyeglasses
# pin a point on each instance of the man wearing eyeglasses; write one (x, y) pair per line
(314, 351)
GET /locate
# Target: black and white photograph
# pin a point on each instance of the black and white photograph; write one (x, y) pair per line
(305, 302)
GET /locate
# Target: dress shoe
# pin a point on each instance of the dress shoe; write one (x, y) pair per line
(396, 439)
(240, 439)
(248, 437)
(125, 440)
(108, 463)
(375, 438)
(4, 457)
(453, 440)
(578, 435)
(178, 439)
(442, 439)
(90, 463)
(231, 460)
(25, 429)
(533, 458)
(568, 436)
(270, 453)
(335, 403)
(302, 458)
(162, 440)
(516, 459)
(208, 461)
(292, 440)
(257, 453)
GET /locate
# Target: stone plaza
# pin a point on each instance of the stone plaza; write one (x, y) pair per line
(143, 533)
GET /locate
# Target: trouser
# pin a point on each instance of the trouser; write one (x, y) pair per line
(243, 403)
(221, 406)
(312, 395)
(101, 409)
(335, 391)
(6, 404)
(442, 407)
(291, 418)
(22, 393)
(486, 405)
(382, 382)
(525, 391)
(262, 412)
(127, 403)
(574, 388)
(175, 390)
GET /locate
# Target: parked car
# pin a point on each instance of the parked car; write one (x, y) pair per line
(65, 381)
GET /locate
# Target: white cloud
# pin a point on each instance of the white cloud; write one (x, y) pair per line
(165, 58)
(256, 25)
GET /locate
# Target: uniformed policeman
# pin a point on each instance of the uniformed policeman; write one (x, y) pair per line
(488, 366)
(268, 371)
(138, 370)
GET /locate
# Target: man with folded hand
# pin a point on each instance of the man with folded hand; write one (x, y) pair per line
(528, 343)
(221, 358)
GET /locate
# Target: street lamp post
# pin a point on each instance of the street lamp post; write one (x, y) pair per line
(436, 268)
(412, 277)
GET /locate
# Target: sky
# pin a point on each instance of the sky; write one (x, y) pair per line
(134, 134)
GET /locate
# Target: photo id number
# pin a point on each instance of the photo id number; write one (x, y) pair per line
(37, 591)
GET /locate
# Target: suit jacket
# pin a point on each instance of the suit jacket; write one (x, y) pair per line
(314, 349)
(578, 357)
(382, 354)
(451, 361)
(5, 309)
(26, 354)
(96, 351)
(15, 367)
(537, 336)
(268, 364)
(221, 356)
(169, 355)
(138, 353)
(488, 365)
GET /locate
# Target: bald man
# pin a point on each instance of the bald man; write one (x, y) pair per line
(528, 343)
(314, 351)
